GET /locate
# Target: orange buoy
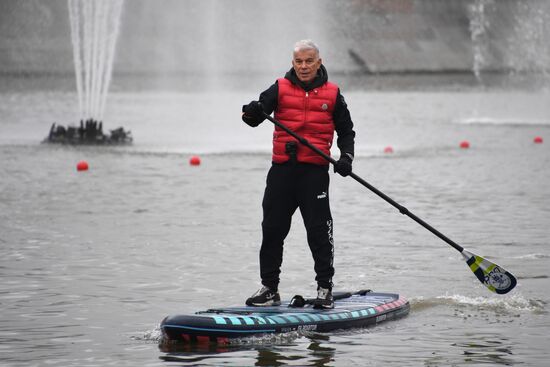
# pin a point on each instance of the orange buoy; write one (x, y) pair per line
(465, 144)
(538, 140)
(82, 166)
(195, 161)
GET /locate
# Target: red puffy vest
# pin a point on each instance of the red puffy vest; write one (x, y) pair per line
(308, 114)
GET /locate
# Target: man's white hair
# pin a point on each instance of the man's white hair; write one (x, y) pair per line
(306, 45)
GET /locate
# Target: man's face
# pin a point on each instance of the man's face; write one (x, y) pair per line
(305, 64)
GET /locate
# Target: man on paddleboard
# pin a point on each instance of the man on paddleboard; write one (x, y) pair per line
(308, 104)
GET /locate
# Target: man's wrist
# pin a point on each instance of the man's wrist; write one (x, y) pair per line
(347, 156)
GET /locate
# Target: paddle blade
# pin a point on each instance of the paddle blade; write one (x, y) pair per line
(491, 275)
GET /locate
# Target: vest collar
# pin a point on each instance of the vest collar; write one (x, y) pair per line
(320, 79)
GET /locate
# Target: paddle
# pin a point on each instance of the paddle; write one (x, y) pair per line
(490, 274)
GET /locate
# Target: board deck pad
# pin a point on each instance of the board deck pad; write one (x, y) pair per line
(220, 325)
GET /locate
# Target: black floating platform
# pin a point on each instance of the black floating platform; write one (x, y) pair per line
(88, 133)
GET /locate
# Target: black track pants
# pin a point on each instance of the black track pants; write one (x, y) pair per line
(291, 186)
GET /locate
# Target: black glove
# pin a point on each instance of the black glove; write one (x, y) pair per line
(254, 110)
(343, 165)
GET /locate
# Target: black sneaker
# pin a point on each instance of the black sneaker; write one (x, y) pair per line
(324, 299)
(264, 297)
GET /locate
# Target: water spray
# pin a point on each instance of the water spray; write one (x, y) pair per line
(95, 27)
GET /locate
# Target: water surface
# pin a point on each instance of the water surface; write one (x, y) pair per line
(92, 261)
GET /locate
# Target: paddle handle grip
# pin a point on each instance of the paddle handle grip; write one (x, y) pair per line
(403, 210)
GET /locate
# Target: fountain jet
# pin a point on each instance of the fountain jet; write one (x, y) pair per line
(94, 31)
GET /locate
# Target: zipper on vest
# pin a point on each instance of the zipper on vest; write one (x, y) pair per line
(306, 105)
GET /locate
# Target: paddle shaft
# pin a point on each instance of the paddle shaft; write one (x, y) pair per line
(403, 210)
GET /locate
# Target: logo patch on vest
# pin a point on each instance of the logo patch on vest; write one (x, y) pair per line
(324, 106)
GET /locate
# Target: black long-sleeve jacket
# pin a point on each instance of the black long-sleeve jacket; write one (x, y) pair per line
(343, 124)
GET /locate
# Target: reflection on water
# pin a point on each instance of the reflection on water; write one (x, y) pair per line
(320, 350)
(486, 349)
(311, 352)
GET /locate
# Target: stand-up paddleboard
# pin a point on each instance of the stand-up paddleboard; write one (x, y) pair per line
(219, 325)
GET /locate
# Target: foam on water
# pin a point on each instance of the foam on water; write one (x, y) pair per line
(514, 303)
(518, 121)
(153, 335)
(533, 256)
(268, 339)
